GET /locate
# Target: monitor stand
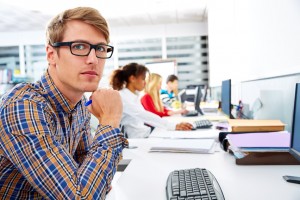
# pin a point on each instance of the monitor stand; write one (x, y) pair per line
(292, 179)
(199, 110)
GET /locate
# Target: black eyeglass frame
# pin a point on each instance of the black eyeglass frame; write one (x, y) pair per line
(92, 46)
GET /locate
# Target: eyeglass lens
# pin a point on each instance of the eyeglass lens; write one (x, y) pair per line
(83, 49)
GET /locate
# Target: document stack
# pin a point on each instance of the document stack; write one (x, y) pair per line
(252, 125)
(258, 142)
(184, 146)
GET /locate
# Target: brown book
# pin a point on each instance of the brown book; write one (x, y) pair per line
(255, 125)
(268, 158)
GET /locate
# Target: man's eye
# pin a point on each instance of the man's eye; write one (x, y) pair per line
(79, 46)
(101, 48)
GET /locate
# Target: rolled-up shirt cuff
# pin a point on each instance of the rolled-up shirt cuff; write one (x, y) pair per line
(171, 126)
(110, 136)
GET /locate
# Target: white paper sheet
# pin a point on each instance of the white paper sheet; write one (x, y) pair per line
(196, 134)
(184, 146)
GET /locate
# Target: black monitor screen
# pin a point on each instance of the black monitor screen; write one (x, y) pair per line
(198, 97)
(182, 96)
(204, 94)
(296, 124)
(226, 97)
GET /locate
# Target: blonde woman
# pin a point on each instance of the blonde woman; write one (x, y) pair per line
(152, 101)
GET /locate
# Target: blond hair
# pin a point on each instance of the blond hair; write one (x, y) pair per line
(57, 25)
(152, 89)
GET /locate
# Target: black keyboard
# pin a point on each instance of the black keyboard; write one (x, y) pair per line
(193, 184)
(191, 113)
(204, 123)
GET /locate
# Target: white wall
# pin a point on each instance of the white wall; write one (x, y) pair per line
(250, 39)
(256, 43)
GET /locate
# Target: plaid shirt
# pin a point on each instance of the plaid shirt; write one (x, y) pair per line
(46, 148)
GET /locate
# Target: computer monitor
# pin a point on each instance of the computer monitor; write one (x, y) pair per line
(295, 141)
(204, 95)
(190, 92)
(226, 98)
(181, 96)
(197, 100)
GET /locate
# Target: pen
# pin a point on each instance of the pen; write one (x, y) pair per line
(132, 147)
(89, 102)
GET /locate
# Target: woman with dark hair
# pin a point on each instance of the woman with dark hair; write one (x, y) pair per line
(130, 80)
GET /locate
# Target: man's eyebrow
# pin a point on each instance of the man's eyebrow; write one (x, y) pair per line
(80, 41)
(89, 42)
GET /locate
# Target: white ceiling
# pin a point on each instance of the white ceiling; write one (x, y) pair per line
(29, 15)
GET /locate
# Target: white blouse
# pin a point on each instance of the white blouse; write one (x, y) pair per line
(135, 116)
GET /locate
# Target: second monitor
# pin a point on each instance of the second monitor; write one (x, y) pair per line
(197, 100)
(226, 98)
(193, 93)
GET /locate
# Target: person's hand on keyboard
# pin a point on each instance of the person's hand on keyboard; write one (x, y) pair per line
(181, 111)
(184, 126)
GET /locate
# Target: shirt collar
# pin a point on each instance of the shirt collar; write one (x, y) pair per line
(56, 98)
(130, 94)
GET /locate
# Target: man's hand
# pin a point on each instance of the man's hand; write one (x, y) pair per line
(107, 107)
(184, 126)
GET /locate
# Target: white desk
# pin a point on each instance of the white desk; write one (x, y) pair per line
(146, 175)
(210, 116)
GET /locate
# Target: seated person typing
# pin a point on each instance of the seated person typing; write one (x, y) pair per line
(130, 80)
(151, 99)
(168, 95)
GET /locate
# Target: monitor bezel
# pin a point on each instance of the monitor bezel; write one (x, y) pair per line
(222, 100)
(198, 98)
(181, 96)
(293, 151)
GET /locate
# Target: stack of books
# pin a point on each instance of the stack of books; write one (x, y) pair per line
(259, 142)
(255, 125)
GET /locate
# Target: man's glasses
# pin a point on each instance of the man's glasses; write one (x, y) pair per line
(83, 49)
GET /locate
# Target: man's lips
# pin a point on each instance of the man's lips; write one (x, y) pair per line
(90, 73)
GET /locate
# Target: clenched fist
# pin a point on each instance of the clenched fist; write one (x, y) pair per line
(107, 107)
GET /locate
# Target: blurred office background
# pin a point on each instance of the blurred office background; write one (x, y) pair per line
(141, 31)
(255, 43)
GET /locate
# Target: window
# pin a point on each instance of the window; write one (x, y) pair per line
(190, 56)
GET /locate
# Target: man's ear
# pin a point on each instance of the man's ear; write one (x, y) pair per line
(50, 52)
